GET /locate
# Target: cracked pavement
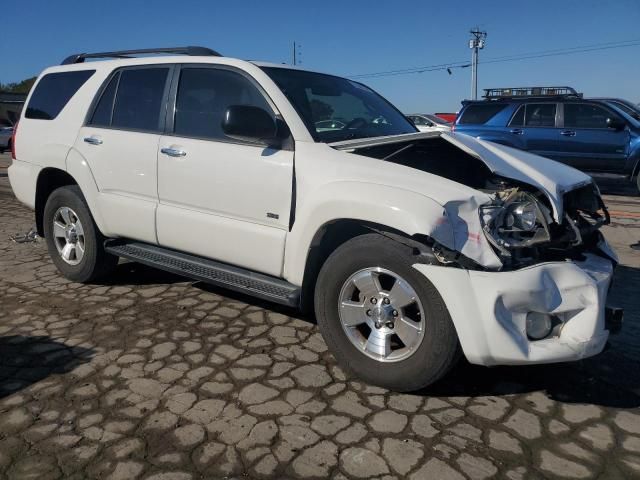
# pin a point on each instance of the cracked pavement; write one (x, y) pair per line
(150, 375)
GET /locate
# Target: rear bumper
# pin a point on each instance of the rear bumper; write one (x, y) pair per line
(489, 310)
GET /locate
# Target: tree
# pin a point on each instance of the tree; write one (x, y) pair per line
(18, 87)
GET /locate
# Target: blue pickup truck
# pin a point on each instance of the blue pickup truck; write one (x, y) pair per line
(599, 136)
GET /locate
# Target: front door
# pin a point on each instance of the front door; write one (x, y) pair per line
(120, 144)
(221, 198)
(586, 141)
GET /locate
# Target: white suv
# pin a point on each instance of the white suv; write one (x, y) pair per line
(411, 247)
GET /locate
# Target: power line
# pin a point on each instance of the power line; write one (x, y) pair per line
(506, 58)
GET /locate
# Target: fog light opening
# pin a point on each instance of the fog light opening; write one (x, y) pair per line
(539, 325)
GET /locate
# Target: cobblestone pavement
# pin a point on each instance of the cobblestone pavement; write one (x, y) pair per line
(152, 376)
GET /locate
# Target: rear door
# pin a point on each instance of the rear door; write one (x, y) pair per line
(535, 124)
(586, 141)
(120, 144)
(221, 198)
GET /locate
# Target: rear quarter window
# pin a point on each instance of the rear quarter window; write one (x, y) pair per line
(53, 92)
(479, 114)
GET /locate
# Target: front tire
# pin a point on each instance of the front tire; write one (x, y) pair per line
(382, 319)
(74, 242)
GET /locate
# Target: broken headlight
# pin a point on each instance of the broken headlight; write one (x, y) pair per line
(515, 219)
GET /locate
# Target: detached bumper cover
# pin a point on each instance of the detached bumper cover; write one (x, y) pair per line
(489, 309)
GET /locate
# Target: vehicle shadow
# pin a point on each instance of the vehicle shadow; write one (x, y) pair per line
(25, 360)
(618, 187)
(134, 273)
(255, 302)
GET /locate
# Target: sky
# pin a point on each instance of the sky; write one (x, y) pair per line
(350, 38)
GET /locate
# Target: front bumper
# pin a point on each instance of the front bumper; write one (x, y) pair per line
(489, 309)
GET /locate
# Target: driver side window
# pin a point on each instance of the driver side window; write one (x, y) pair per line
(204, 94)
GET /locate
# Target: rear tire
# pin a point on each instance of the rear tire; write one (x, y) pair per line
(74, 242)
(409, 361)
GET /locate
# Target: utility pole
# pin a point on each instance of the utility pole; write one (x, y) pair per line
(297, 54)
(475, 44)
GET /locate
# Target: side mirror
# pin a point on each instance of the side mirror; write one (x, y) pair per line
(248, 123)
(615, 124)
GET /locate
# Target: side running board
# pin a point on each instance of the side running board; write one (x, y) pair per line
(209, 271)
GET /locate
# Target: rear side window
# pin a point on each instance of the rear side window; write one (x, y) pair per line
(204, 94)
(540, 115)
(53, 92)
(479, 114)
(139, 99)
(535, 115)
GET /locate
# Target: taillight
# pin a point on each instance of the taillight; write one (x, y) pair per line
(13, 141)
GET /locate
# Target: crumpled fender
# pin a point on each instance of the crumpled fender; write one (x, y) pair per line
(456, 225)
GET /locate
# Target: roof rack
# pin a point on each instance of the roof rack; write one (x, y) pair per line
(519, 92)
(80, 57)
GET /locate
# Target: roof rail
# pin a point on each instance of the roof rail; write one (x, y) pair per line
(80, 57)
(519, 92)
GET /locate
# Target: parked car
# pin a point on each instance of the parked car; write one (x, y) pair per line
(593, 135)
(5, 138)
(447, 117)
(426, 122)
(409, 246)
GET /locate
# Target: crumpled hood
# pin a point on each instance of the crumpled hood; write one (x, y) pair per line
(551, 177)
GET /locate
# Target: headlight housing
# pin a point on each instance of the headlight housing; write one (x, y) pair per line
(515, 220)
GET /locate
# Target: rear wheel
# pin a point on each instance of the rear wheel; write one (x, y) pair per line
(382, 319)
(73, 239)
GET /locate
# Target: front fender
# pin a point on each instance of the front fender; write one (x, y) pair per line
(402, 210)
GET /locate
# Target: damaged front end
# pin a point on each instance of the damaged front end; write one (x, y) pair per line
(538, 210)
(520, 225)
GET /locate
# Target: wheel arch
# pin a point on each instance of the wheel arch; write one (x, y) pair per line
(49, 179)
(77, 173)
(334, 233)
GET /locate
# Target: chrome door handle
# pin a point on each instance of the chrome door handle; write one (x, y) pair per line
(516, 131)
(568, 133)
(173, 152)
(93, 140)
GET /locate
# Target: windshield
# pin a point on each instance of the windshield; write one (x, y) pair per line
(336, 109)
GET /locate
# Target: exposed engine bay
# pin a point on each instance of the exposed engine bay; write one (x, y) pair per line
(519, 220)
